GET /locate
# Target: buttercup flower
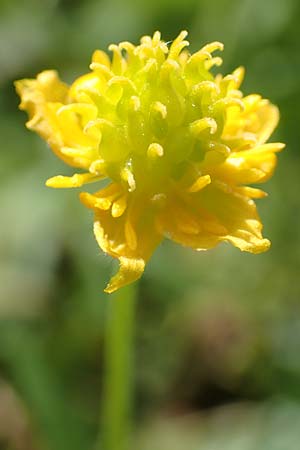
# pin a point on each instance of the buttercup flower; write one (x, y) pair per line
(179, 145)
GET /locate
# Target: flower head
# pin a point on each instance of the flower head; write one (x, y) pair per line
(179, 145)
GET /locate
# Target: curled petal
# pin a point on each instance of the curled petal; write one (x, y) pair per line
(45, 99)
(128, 234)
(258, 118)
(265, 120)
(193, 228)
(236, 213)
(204, 219)
(250, 166)
(47, 87)
(130, 270)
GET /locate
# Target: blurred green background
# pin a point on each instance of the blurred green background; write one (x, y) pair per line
(217, 333)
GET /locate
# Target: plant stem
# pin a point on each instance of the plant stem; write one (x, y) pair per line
(117, 398)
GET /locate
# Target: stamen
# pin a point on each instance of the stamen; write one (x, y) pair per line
(118, 62)
(178, 44)
(76, 180)
(199, 184)
(158, 119)
(119, 206)
(98, 166)
(216, 61)
(156, 38)
(128, 177)
(102, 70)
(197, 127)
(155, 150)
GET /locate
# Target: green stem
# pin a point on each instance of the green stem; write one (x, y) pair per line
(117, 398)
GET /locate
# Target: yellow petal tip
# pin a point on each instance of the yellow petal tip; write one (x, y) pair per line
(130, 270)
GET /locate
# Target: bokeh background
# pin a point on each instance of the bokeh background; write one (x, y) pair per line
(217, 362)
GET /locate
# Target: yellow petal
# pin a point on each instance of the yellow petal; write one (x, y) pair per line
(47, 87)
(100, 57)
(131, 237)
(84, 85)
(71, 120)
(214, 216)
(259, 118)
(249, 166)
(44, 99)
(189, 226)
(267, 118)
(130, 270)
(238, 214)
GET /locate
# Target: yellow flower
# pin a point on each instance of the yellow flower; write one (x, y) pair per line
(179, 145)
